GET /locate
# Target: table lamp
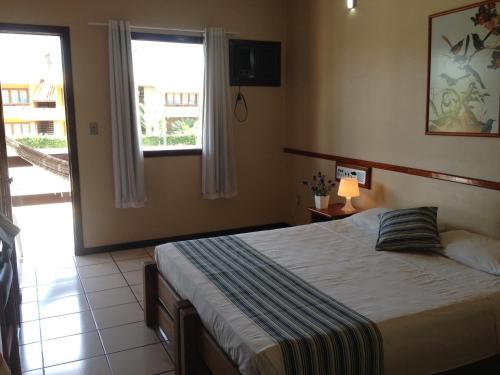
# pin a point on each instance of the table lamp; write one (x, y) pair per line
(349, 189)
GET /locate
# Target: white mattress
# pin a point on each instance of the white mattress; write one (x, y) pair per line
(434, 314)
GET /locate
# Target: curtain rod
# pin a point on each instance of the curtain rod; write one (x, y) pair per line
(194, 31)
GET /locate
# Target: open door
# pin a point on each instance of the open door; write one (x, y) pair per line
(39, 179)
(5, 180)
(10, 308)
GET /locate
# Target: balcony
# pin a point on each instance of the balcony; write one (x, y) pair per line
(21, 113)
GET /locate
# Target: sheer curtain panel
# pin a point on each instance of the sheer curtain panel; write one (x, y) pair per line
(128, 162)
(218, 170)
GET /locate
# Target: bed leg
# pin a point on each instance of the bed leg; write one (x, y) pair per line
(189, 341)
(151, 294)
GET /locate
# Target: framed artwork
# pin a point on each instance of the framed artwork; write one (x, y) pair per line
(464, 71)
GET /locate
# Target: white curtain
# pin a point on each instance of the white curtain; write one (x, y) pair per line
(128, 162)
(218, 171)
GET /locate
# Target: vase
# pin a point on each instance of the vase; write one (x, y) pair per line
(321, 201)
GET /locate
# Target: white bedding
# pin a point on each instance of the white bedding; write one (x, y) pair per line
(434, 314)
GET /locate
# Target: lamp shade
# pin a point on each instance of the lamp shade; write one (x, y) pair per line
(348, 188)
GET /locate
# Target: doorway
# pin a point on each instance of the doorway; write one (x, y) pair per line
(38, 141)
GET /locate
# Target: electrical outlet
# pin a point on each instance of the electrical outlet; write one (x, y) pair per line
(359, 174)
(94, 128)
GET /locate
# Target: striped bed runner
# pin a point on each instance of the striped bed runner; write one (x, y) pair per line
(316, 333)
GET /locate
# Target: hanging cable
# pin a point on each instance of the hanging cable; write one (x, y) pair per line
(240, 99)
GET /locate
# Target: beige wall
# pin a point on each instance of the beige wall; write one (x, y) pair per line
(173, 183)
(356, 87)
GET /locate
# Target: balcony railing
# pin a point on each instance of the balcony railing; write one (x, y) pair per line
(28, 114)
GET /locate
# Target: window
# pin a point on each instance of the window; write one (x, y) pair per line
(141, 95)
(15, 97)
(45, 127)
(168, 73)
(186, 99)
(44, 104)
(18, 129)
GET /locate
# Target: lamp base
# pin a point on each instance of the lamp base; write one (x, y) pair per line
(348, 205)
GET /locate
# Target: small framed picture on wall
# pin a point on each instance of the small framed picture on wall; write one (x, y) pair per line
(464, 71)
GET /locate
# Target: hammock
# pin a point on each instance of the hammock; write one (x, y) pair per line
(50, 163)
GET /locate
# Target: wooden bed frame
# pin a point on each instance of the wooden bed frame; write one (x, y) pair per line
(194, 348)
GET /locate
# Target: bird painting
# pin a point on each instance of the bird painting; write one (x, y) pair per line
(464, 90)
(475, 74)
(454, 48)
(452, 81)
(487, 126)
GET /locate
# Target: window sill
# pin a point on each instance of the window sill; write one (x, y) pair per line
(161, 153)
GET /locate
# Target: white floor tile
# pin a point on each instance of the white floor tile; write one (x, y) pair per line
(147, 360)
(59, 290)
(138, 291)
(29, 311)
(45, 277)
(29, 294)
(128, 336)
(87, 260)
(71, 348)
(27, 279)
(31, 356)
(63, 306)
(95, 284)
(118, 315)
(98, 270)
(26, 267)
(133, 277)
(29, 332)
(110, 297)
(91, 366)
(67, 325)
(69, 340)
(129, 254)
(133, 264)
(54, 263)
(34, 372)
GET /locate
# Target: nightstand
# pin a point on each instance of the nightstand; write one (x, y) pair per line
(333, 212)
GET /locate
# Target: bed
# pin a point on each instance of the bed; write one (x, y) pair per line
(433, 314)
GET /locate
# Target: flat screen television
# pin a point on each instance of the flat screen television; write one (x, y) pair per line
(254, 63)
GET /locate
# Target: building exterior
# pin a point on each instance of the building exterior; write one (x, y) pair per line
(160, 111)
(33, 109)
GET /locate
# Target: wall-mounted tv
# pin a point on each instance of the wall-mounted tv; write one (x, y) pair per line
(254, 63)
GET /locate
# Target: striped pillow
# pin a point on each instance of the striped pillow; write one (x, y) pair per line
(409, 229)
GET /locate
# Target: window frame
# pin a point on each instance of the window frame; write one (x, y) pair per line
(18, 90)
(173, 38)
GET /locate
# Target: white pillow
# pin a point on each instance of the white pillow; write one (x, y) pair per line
(473, 250)
(368, 219)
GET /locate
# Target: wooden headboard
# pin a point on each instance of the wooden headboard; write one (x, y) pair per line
(493, 185)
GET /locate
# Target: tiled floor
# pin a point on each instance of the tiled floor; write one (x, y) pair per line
(84, 315)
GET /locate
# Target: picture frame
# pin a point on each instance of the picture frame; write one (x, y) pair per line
(463, 81)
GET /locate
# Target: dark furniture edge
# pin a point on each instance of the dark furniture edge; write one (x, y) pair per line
(180, 152)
